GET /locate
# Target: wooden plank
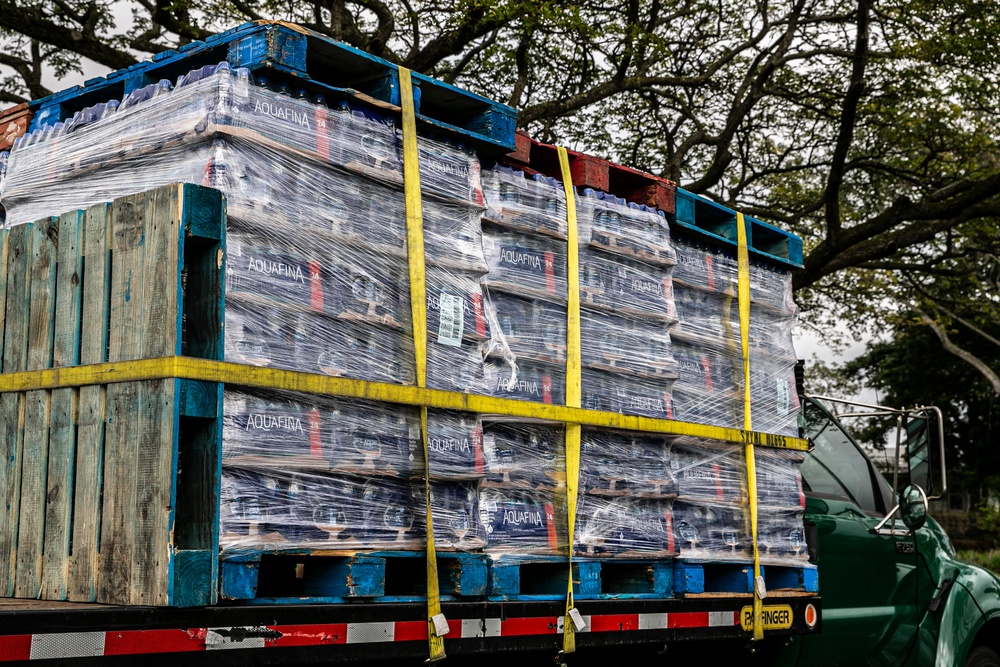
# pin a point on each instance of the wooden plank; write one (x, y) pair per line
(115, 563)
(15, 357)
(204, 259)
(89, 472)
(3, 288)
(35, 455)
(160, 317)
(62, 435)
(196, 522)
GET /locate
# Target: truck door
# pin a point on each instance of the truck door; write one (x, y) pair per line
(867, 580)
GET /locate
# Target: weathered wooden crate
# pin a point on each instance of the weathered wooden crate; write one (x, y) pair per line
(109, 491)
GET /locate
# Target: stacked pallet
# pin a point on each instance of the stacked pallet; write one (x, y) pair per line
(626, 311)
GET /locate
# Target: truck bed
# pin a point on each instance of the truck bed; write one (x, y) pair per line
(36, 629)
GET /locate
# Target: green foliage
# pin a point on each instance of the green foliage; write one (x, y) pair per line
(867, 128)
(911, 369)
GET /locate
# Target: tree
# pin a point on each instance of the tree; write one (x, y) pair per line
(912, 370)
(868, 128)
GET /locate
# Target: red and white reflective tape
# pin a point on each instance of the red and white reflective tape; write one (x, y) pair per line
(135, 642)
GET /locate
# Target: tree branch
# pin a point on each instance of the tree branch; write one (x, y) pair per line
(964, 355)
(848, 121)
(38, 26)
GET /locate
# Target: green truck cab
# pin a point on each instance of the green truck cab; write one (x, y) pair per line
(893, 590)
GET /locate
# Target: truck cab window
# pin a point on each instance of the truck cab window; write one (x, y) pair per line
(836, 467)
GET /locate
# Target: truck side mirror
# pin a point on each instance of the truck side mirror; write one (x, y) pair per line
(913, 507)
(925, 451)
(918, 436)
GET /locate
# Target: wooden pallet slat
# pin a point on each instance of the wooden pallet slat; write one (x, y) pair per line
(15, 357)
(122, 435)
(89, 469)
(157, 425)
(62, 435)
(37, 410)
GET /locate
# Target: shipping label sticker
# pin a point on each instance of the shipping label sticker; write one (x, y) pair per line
(452, 320)
(783, 399)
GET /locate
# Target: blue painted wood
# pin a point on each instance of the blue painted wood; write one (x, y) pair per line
(238, 578)
(465, 575)
(737, 578)
(716, 224)
(774, 243)
(587, 580)
(313, 61)
(544, 578)
(688, 577)
(352, 577)
(800, 578)
(504, 580)
(199, 399)
(703, 577)
(194, 578)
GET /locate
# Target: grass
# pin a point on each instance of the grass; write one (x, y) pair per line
(988, 559)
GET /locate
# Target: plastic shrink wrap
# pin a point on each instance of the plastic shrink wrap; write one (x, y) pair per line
(275, 509)
(625, 292)
(711, 520)
(707, 346)
(317, 281)
(523, 498)
(625, 494)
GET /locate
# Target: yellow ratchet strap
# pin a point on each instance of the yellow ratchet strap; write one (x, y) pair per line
(243, 375)
(572, 389)
(743, 262)
(437, 625)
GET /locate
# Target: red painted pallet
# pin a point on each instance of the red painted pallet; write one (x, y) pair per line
(13, 123)
(589, 171)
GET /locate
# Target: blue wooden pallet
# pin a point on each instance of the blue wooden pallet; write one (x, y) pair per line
(695, 577)
(717, 224)
(312, 61)
(529, 578)
(303, 576)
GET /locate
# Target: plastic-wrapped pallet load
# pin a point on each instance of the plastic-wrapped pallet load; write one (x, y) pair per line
(522, 501)
(626, 296)
(302, 508)
(711, 521)
(627, 309)
(782, 503)
(317, 281)
(706, 343)
(627, 490)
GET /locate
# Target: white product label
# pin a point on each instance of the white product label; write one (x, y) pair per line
(782, 398)
(577, 617)
(452, 320)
